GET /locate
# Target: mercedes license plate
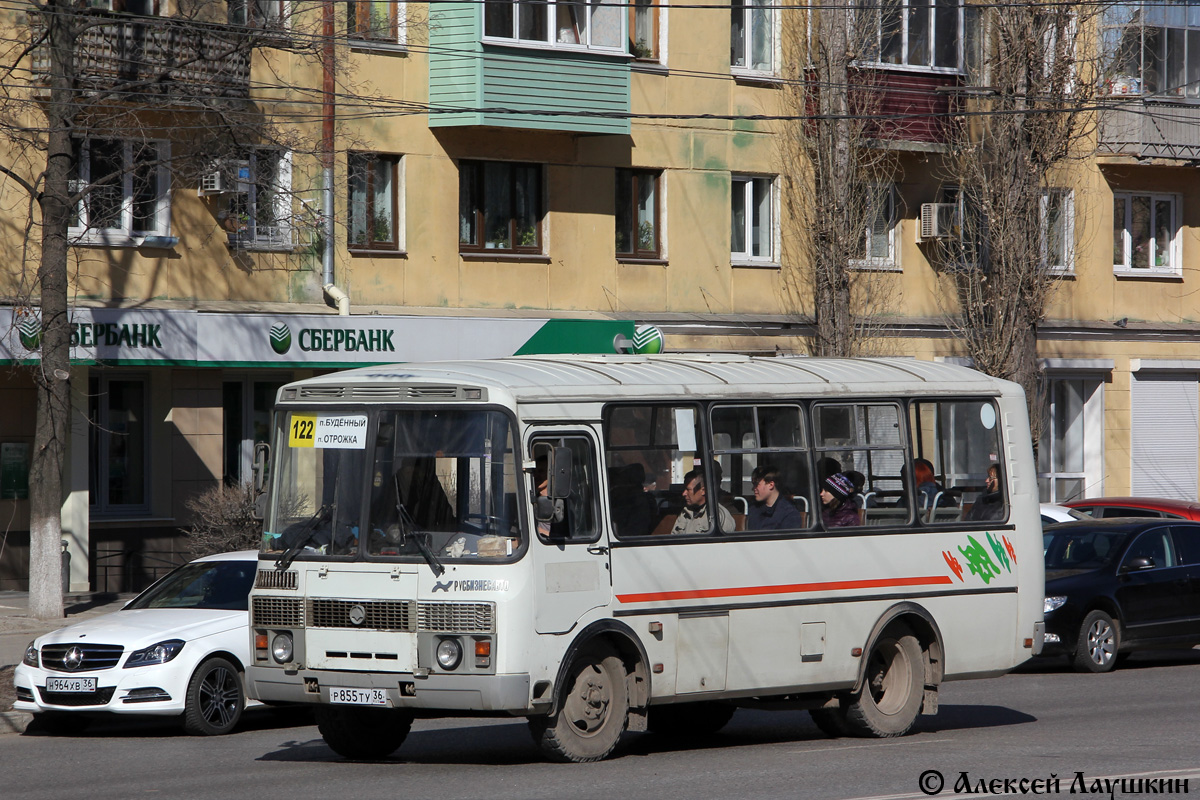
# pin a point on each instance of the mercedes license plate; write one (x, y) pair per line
(70, 684)
(358, 697)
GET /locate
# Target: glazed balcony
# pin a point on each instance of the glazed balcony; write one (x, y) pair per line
(183, 61)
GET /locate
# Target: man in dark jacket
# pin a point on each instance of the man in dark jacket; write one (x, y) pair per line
(772, 511)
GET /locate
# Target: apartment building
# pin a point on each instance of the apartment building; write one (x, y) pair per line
(533, 177)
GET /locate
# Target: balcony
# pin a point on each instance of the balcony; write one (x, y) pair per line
(473, 82)
(185, 61)
(1147, 129)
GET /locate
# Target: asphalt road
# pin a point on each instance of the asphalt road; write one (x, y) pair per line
(1041, 721)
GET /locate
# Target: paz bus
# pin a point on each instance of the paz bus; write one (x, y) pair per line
(498, 538)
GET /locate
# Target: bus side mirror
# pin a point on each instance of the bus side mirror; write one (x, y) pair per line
(262, 460)
(560, 474)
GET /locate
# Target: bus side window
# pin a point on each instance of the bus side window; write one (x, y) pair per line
(954, 444)
(576, 517)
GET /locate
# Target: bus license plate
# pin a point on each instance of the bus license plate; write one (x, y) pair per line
(358, 697)
(70, 684)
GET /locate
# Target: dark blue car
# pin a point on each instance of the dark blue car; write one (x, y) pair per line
(1118, 585)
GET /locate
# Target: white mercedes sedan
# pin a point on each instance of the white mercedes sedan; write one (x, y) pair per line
(178, 648)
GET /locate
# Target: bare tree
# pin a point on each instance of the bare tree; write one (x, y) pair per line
(1026, 120)
(114, 77)
(838, 176)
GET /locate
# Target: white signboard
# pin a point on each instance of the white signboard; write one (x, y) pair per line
(328, 431)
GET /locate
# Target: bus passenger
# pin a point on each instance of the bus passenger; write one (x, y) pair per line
(838, 506)
(771, 511)
(694, 517)
(990, 504)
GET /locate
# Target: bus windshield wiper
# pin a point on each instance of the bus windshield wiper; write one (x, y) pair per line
(408, 529)
(307, 532)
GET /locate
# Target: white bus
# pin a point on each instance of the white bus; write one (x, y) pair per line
(496, 538)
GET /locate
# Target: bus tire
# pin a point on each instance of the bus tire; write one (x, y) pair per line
(363, 734)
(889, 700)
(593, 708)
(831, 721)
(689, 720)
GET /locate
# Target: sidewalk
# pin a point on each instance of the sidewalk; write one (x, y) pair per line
(18, 629)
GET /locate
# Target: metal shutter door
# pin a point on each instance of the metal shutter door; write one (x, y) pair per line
(1166, 437)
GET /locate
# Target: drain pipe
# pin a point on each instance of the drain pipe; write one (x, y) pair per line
(333, 294)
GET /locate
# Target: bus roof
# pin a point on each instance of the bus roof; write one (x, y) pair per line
(558, 377)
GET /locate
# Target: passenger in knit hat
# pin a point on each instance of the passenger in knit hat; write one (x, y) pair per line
(836, 511)
(840, 486)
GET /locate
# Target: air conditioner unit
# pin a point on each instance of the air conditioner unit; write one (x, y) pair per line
(226, 177)
(938, 221)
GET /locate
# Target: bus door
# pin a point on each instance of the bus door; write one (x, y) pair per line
(571, 554)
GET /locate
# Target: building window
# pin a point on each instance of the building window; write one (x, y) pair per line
(1153, 48)
(259, 212)
(499, 207)
(125, 186)
(256, 13)
(914, 33)
(1144, 233)
(1058, 230)
(375, 21)
(752, 235)
(752, 36)
(374, 205)
(145, 8)
(643, 30)
(1070, 465)
(247, 408)
(637, 214)
(566, 24)
(879, 235)
(118, 437)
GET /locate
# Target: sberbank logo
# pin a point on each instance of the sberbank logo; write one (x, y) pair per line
(281, 338)
(30, 331)
(647, 339)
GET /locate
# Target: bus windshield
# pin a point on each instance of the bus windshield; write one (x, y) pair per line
(442, 484)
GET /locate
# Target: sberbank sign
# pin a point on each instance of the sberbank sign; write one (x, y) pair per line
(332, 340)
(115, 334)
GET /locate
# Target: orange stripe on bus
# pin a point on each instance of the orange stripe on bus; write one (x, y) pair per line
(789, 588)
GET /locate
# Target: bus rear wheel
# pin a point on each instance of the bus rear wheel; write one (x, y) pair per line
(593, 707)
(363, 734)
(690, 720)
(889, 701)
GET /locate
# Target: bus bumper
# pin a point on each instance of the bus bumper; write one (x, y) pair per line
(509, 693)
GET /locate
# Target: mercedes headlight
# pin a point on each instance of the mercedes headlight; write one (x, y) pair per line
(1053, 603)
(159, 653)
(449, 653)
(31, 656)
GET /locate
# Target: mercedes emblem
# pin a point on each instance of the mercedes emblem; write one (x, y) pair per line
(73, 658)
(358, 615)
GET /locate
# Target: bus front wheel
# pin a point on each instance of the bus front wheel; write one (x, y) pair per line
(363, 734)
(889, 701)
(592, 710)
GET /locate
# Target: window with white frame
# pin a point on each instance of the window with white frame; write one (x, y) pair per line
(1145, 233)
(752, 212)
(752, 36)
(126, 188)
(259, 213)
(1070, 463)
(145, 8)
(561, 24)
(1153, 48)
(643, 29)
(374, 181)
(256, 13)
(914, 33)
(376, 21)
(878, 249)
(1058, 230)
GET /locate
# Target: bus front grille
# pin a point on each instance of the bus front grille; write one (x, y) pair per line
(457, 617)
(278, 612)
(379, 615)
(274, 579)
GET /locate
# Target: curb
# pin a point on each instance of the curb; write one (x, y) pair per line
(14, 721)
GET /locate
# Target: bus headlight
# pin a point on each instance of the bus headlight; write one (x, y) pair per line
(1052, 603)
(449, 653)
(281, 648)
